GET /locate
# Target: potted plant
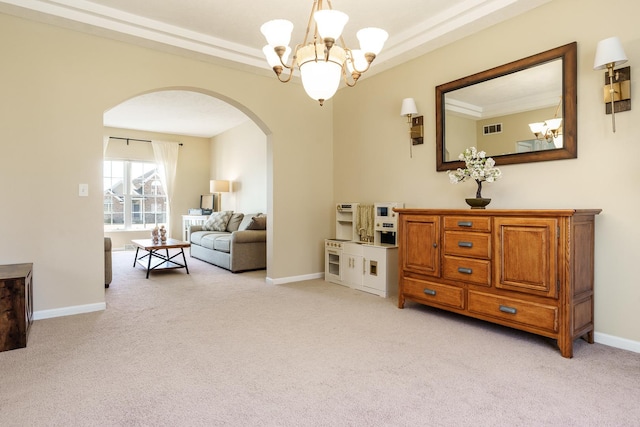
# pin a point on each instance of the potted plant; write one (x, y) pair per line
(480, 168)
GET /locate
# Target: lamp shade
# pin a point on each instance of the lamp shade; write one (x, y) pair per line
(320, 79)
(218, 186)
(330, 23)
(277, 32)
(609, 51)
(357, 61)
(272, 57)
(372, 39)
(408, 107)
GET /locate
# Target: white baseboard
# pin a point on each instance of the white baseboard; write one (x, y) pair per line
(291, 279)
(68, 311)
(616, 342)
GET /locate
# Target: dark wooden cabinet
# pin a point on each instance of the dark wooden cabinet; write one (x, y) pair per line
(16, 305)
(527, 269)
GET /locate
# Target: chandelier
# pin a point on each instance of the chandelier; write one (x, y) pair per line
(321, 61)
(550, 128)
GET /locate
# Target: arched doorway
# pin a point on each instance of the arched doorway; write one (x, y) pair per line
(220, 139)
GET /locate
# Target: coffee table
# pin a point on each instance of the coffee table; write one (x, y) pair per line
(160, 252)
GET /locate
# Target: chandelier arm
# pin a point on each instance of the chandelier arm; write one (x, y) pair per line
(346, 79)
(315, 7)
(353, 62)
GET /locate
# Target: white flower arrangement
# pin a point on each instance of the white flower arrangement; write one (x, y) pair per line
(479, 167)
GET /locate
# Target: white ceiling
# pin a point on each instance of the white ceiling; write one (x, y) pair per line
(228, 32)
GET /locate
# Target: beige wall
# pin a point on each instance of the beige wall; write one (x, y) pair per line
(240, 155)
(515, 127)
(192, 175)
(371, 152)
(56, 84)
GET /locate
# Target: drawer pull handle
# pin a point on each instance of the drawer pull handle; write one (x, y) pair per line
(465, 244)
(430, 292)
(465, 270)
(510, 310)
(465, 223)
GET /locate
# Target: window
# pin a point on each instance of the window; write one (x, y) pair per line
(134, 197)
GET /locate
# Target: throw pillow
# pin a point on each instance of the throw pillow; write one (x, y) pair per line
(247, 220)
(235, 221)
(217, 221)
(258, 223)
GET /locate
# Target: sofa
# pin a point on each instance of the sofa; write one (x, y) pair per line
(231, 240)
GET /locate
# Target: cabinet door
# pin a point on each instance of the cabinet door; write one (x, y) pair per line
(527, 255)
(353, 270)
(420, 244)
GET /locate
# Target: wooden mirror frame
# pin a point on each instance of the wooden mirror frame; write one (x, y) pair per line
(569, 150)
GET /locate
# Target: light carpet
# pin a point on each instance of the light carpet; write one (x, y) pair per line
(214, 348)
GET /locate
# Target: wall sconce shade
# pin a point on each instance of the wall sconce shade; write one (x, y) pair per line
(609, 54)
(408, 108)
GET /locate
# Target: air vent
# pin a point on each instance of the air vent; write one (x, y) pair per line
(491, 129)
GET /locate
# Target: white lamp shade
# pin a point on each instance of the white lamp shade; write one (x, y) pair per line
(372, 39)
(357, 62)
(536, 128)
(609, 51)
(272, 57)
(277, 32)
(408, 107)
(320, 79)
(330, 23)
(554, 124)
(218, 186)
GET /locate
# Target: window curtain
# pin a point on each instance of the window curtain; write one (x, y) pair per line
(166, 156)
(105, 143)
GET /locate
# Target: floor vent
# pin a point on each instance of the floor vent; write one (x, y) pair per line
(129, 247)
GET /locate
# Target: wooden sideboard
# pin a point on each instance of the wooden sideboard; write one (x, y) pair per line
(526, 269)
(16, 305)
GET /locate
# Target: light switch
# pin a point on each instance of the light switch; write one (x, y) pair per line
(83, 190)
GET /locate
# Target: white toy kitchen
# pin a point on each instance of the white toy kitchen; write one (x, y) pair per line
(364, 254)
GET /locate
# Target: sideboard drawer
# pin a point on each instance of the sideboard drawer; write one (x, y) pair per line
(467, 223)
(470, 270)
(450, 296)
(465, 244)
(531, 314)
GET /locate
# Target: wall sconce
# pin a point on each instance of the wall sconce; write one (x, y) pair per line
(609, 54)
(216, 187)
(416, 130)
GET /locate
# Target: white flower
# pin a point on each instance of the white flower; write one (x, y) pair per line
(478, 167)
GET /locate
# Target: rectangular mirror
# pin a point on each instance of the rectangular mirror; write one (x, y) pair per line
(524, 111)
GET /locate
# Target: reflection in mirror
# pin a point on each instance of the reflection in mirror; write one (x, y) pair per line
(515, 113)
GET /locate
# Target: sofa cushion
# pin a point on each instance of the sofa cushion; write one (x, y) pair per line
(247, 220)
(198, 236)
(258, 222)
(222, 243)
(235, 221)
(217, 221)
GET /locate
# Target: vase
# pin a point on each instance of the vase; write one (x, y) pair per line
(478, 202)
